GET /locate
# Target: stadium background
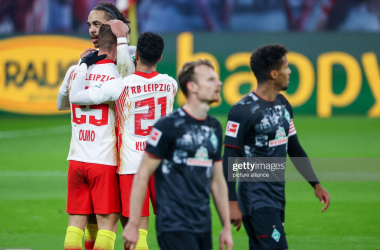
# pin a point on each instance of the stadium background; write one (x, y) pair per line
(334, 89)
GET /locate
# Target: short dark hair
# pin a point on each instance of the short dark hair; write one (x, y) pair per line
(265, 59)
(108, 15)
(186, 74)
(149, 48)
(107, 39)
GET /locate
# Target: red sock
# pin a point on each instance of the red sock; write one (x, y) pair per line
(89, 245)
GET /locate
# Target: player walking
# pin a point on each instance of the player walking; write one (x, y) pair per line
(184, 151)
(141, 99)
(261, 125)
(92, 184)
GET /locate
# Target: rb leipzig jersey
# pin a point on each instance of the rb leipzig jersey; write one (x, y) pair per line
(93, 137)
(141, 99)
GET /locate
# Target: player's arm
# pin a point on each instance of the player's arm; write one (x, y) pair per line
(63, 102)
(235, 213)
(219, 192)
(94, 95)
(220, 197)
(233, 144)
(125, 64)
(147, 166)
(158, 144)
(302, 162)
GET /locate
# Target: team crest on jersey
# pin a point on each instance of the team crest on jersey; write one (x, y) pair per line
(154, 137)
(200, 159)
(232, 129)
(286, 115)
(280, 139)
(201, 153)
(214, 140)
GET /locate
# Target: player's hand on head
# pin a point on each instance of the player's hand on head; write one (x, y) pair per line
(226, 238)
(130, 235)
(86, 52)
(323, 196)
(92, 58)
(235, 215)
(119, 28)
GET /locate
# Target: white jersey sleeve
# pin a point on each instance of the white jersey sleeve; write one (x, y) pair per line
(109, 91)
(97, 93)
(63, 92)
(125, 59)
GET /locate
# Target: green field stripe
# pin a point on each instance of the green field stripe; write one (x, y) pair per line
(35, 132)
(33, 173)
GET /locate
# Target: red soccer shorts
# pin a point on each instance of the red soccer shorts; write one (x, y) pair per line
(126, 181)
(92, 188)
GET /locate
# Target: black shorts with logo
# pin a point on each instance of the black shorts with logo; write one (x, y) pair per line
(185, 241)
(265, 228)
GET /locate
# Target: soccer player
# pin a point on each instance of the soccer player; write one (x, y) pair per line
(141, 99)
(261, 125)
(184, 152)
(92, 184)
(104, 12)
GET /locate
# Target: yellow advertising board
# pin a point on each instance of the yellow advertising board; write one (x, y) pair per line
(32, 69)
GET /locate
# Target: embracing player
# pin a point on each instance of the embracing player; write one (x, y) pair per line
(92, 184)
(104, 12)
(260, 126)
(141, 99)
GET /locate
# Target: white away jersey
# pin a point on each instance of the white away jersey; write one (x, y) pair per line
(142, 99)
(93, 137)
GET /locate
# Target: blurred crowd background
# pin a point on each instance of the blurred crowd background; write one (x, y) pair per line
(61, 16)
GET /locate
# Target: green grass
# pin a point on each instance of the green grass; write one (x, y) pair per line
(33, 187)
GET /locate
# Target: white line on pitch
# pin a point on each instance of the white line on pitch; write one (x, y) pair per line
(35, 132)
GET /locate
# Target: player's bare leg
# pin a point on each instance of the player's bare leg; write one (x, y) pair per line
(142, 243)
(75, 231)
(90, 232)
(106, 237)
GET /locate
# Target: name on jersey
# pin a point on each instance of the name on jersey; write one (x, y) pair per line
(97, 77)
(152, 87)
(140, 145)
(86, 135)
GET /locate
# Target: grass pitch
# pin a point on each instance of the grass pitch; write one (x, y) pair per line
(33, 168)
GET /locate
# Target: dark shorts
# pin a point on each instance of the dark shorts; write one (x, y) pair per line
(185, 241)
(265, 229)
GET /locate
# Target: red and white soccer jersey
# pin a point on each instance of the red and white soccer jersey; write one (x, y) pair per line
(93, 126)
(142, 99)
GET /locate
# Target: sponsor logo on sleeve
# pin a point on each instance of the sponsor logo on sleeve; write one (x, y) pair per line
(154, 137)
(232, 129)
